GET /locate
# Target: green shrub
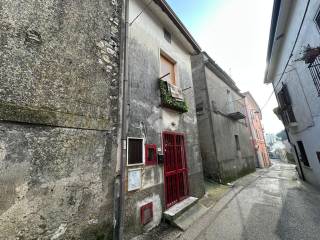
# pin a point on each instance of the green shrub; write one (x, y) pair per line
(170, 102)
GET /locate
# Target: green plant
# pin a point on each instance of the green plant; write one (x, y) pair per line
(170, 102)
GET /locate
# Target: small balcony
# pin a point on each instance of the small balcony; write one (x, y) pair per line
(172, 97)
(286, 115)
(236, 110)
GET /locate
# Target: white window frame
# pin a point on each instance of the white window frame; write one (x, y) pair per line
(143, 151)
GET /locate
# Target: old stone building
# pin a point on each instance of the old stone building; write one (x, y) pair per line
(162, 118)
(226, 149)
(254, 117)
(59, 91)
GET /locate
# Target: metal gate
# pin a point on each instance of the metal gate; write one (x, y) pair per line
(175, 168)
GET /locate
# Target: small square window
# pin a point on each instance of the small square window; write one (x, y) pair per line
(135, 151)
(167, 35)
(146, 213)
(151, 154)
(199, 107)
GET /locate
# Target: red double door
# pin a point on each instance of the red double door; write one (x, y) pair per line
(175, 168)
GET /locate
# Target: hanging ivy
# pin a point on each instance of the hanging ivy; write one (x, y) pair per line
(170, 102)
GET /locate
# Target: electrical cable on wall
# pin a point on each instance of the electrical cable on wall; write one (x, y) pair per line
(291, 54)
(147, 5)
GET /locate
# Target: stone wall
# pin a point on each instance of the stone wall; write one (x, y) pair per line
(59, 90)
(222, 161)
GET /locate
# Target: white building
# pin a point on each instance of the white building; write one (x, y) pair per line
(294, 70)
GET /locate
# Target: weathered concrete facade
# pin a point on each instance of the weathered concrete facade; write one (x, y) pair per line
(148, 119)
(59, 90)
(226, 149)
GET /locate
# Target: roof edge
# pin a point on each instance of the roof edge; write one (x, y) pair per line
(222, 74)
(175, 19)
(254, 101)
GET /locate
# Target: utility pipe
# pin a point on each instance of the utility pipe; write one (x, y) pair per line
(124, 122)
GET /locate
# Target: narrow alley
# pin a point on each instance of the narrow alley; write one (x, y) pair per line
(269, 204)
(159, 119)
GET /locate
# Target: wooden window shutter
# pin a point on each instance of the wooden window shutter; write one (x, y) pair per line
(167, 66)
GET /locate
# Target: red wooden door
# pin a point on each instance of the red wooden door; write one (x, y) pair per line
(175, 168)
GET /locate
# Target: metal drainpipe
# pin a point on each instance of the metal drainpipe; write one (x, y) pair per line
(124, 125)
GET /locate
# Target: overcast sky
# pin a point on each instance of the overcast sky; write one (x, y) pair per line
(235, 34)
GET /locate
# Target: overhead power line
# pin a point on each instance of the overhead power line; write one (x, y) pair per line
(291, 54)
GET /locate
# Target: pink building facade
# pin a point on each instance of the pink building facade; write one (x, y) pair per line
(254, 118)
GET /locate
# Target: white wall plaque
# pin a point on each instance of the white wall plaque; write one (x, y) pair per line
(134, 179)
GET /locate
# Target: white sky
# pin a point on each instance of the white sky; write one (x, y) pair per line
(236, 37)
(235, 34)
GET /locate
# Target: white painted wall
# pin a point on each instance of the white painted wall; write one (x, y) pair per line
(304, 96)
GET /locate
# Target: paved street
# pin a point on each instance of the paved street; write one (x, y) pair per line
(270, 204)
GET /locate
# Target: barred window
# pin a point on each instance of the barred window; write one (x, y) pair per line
(315, 73)
(284, 99)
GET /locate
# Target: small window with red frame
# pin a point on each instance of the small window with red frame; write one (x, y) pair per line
(146, 213)
(151, 154)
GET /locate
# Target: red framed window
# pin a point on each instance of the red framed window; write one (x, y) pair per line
(151, 154)
(146, 213)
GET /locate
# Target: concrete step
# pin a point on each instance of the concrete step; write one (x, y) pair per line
(178, 209)
(186, 219)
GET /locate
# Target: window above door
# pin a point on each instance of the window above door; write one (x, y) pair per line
(167, 69)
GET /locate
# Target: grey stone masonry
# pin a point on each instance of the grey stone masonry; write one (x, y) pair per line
(59, 117)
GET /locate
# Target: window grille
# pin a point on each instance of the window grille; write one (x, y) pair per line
(315, 73)
(287, 113)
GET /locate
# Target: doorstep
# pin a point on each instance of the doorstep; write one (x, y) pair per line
(176, 210)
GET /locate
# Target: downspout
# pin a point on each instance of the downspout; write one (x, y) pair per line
(124, 123)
